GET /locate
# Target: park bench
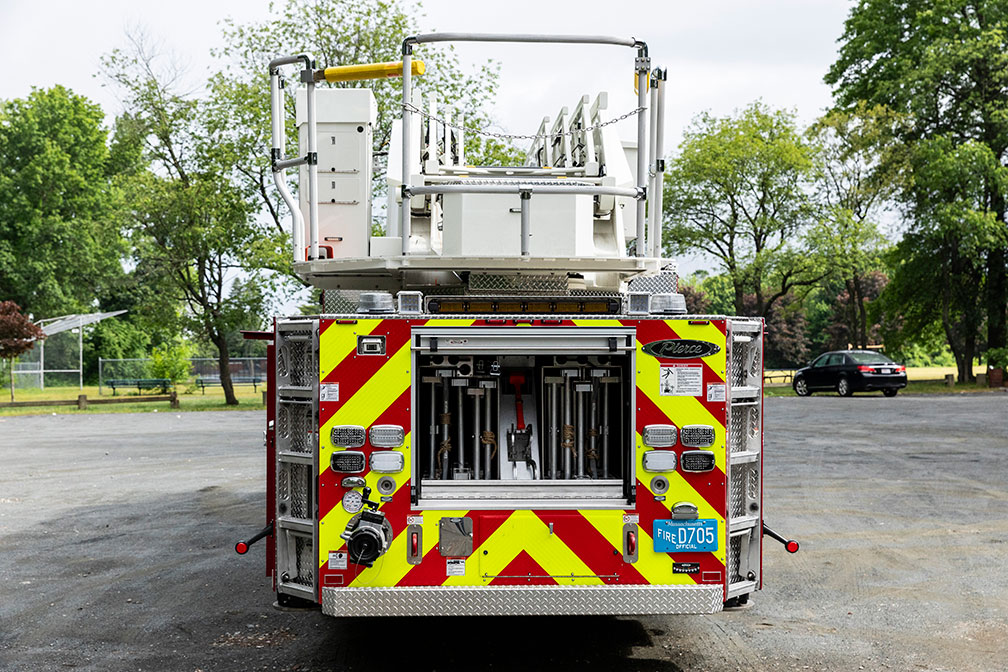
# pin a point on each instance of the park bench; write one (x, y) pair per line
(254, 381)
(140, 383)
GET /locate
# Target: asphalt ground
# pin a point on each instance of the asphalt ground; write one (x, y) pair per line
(116, 537)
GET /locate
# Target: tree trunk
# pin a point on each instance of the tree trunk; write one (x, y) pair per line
(997, 299)
(224, 364)
(862, 313)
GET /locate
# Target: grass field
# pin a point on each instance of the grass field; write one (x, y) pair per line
(189, 400)
(922, 380)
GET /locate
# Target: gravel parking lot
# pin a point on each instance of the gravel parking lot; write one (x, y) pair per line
(116, 536)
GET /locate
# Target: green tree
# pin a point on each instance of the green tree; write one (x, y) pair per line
(855, 182)
(943, 65)
(59, 243)
(939, 268)
(192, 223)
(738, 191)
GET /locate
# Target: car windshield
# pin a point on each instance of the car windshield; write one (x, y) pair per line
(870, 358)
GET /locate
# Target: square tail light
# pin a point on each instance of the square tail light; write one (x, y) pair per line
(347, 436)
(386, 436)
(697, 461)
(659, 436)
(696, 436)
(347, 461)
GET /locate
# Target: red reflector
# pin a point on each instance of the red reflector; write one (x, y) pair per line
(791, 546)
(414, 544)
(241, 548)
(866, 369)
(631, 543)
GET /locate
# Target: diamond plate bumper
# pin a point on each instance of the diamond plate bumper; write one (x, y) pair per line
(522, 600)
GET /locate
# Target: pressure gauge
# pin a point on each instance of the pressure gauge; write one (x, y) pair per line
(352, 501)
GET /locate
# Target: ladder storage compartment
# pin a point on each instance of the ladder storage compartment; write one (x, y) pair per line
(296, 457)
(745, 454)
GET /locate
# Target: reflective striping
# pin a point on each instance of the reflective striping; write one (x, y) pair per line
(364, 407)
(338, 341)
(585, 543)
(606, 535)
(523, 531)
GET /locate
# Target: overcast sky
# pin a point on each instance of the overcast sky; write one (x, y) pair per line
(721, 54)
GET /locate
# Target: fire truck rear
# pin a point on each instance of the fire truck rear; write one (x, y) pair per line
(499, 409)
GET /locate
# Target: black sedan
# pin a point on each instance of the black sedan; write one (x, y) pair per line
(849, 371)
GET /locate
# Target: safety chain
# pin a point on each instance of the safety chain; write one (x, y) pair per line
(409, 107)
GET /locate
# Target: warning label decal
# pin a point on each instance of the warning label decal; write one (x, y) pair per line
(680, 380)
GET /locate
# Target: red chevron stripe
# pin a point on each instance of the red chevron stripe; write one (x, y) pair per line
(523, 571)
(649, 331)
(431, 570)
(708, 485)
(586, 542)
(353, 370)
(649, 511)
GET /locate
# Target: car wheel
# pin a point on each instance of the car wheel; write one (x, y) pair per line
(801, 387)
(890, 391)
(843, 387)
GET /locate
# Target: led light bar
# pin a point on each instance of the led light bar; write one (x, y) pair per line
(387, 462)
(659, 436)
(497, 305)
(347, 436)
(696, 436)
(697, 461)
(347, 461)
(659, 460)
(386, 436)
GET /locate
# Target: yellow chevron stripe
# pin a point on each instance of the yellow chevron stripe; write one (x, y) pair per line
(369, 402)
(334, 522)
(392, 567)
(339, 341)
(449, 322)
(680, 490)
(523, 531)
(654, 567)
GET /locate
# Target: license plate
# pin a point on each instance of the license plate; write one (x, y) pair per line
(886, 370)
(685, 536)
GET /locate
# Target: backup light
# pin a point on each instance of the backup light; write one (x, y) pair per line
(697, 461)
(659, 436)
(696, 436)
(347, 461)
(659, 460)
(386, 436)
(347, 436)
(410, 303)
(387, 462)
(638, 303)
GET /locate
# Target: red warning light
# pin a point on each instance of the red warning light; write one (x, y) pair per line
(791, 546)
(241, 548)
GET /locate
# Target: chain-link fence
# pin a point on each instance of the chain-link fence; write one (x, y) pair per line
(244, 370)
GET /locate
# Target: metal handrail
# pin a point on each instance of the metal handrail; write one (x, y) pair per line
(280, 164)
(642, 66)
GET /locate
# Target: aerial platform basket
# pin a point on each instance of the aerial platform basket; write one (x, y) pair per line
(568, 212)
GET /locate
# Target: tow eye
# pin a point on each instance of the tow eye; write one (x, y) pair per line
(368, 534)
(790, 544)
(241, 548)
